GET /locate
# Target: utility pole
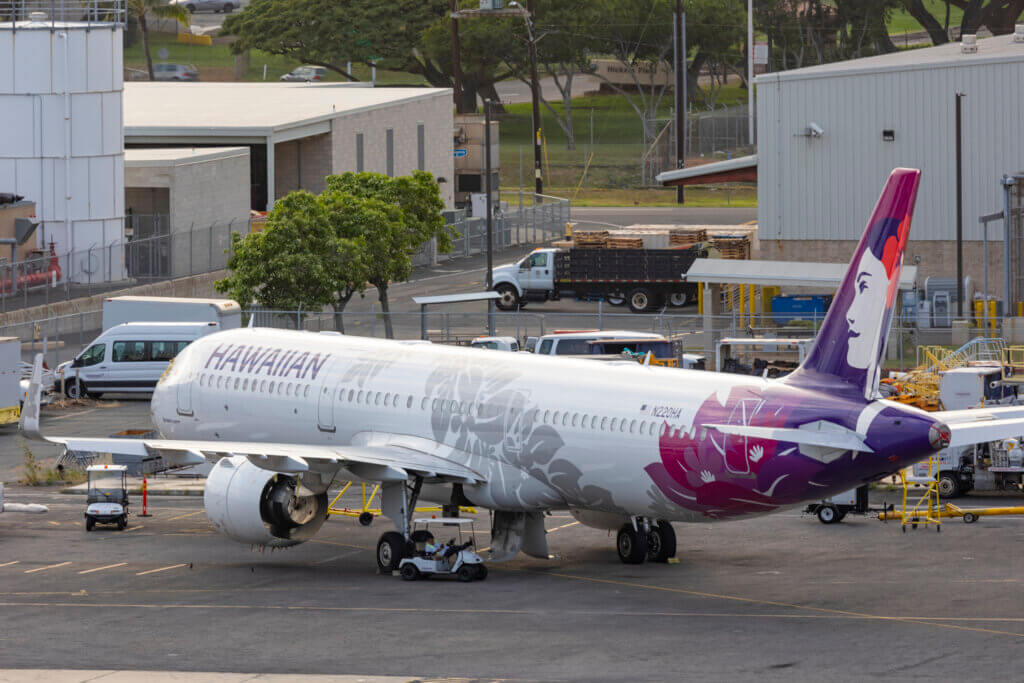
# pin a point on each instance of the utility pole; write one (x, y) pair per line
(457, 62)
(959, 213)
(679, 44)
(535, 88)
(750, 72)
(490, 215)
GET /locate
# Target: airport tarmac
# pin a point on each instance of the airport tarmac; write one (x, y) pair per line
(778, 598)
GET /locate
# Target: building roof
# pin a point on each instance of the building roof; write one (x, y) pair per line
(766, 273)
(455, 298)
(996, 49)
(173, 156)
(171, 109)
(717, 171)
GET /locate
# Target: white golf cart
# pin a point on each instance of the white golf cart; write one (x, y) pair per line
(451, 558)
(107, 501)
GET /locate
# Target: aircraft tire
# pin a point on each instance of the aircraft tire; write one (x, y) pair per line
(661, 542)
(631, 545)
(390, 551)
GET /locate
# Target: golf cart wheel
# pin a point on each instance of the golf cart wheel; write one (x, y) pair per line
(410, 572)
(640, 300)
(465, 574)
(122, 523)
(661, 542)
(631, 545)
(422, 536)
(970, 518)
(390, 551)
(509, 297)
(90, 523)
(827, 514)
(481, 572)
(678, 299)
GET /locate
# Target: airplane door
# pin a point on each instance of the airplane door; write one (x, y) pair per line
(185, 396)
(325, 409)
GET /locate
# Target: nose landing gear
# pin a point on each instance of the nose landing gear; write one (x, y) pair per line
(645, 540)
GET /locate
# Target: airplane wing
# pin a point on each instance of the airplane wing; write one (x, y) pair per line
(388, 462)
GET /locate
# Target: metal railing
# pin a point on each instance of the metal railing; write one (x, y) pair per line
(91, 12)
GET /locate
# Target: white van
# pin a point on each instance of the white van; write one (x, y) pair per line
(128, 358)
(577, 343)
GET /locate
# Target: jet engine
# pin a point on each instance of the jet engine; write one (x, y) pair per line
(259, 507)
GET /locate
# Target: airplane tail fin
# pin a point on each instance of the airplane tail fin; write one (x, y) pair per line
(851, 341)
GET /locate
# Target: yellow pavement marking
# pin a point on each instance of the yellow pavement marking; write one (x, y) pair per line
(8, 564)
(161, 569)
(753, 222)
(51, 566)
(99, 569)
(54, 523)
(772, 603)
(141, 526)
(562, 527)
(190, 514)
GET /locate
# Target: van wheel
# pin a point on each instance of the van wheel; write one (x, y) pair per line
(640, 300)
(509, 297)
(74, 390)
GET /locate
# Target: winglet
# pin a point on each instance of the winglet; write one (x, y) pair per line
(29, 423)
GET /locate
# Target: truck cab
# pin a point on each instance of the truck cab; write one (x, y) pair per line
(530, 278)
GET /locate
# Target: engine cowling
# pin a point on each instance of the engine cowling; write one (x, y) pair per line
(252, 505)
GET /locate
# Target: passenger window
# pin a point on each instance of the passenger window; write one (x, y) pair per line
(359, 397)
(245, 385)
(622, 426)
(632, 427)
(538, 260)
(423, 403)
(288, 389)
(545, 346)
(654, 428)
(604, 423)
(237, 382)
(376, 398)
(575, 419)
(565, 420)
(593, 422)
(433, 405)
(387, 398)
(615, 421)
(263, 385)
(130, 352)
(165, 350)
(219, 381)
(92, 355)
(408, 404)
(306, 391)
(270, 388)
(554, 417)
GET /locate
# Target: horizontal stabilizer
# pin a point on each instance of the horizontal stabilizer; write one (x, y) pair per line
(982, 431)
(824, 434)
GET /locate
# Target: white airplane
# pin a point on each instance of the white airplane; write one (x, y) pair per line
(623, 446)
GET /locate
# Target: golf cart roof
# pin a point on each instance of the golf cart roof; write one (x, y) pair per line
(442, 520)
(106, 468)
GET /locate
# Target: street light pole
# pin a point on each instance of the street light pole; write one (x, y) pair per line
(679, 26)
(750, 72)
(456, 61)
(535, 92)
(959, 213)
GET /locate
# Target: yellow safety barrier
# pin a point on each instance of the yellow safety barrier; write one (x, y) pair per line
(193, 39)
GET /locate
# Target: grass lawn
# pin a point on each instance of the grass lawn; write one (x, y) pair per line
(216, 63)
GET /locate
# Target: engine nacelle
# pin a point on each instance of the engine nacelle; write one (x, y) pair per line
(599, 520)
(252, 505)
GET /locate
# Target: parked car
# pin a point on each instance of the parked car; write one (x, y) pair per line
(175, 72)
(193, 6)
(305, 73)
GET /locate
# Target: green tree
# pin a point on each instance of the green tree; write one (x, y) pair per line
(158, 8)
(302, 259)
(399, 216)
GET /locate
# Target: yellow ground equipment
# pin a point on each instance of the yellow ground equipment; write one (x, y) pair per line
(969, 515)
(365, 513)
(1013, 364)
(920, 387)
(925, 510)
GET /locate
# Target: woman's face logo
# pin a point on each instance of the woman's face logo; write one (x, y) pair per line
(864, 316)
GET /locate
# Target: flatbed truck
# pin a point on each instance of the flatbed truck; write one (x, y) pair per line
(643, 279)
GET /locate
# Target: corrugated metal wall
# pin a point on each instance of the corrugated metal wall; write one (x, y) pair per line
(825, 188)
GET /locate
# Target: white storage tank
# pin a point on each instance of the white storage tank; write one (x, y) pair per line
(62, 142)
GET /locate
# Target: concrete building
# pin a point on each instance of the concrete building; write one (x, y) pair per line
(829, 135)
(298, 133)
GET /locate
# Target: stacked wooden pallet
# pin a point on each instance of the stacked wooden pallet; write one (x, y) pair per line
(597, 239)
(732, 246)
(622, 242)
(686, 237)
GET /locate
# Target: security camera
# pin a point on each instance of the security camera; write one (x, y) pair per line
(814, 130)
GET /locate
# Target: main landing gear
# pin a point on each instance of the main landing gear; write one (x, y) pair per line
(644, 540)
(399, 502)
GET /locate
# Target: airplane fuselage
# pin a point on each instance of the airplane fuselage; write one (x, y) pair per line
(543, 432)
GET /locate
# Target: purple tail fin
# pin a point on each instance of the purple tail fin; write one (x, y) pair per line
(852, 338)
